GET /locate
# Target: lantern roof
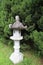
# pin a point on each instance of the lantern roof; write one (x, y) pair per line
(17, 24)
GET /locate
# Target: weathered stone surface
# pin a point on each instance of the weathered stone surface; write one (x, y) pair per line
(17, 24)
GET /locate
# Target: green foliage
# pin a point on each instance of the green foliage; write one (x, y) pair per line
(28, 20)
(37, 37)
(31, 14)
(11, 8)
(40, 23)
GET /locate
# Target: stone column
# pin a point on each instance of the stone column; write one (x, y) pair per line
(16, 56)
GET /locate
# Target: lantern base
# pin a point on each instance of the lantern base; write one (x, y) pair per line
(16, 58)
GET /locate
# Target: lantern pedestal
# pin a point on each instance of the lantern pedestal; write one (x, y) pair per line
(16, 56)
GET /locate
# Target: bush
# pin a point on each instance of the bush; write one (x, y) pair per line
(31, 14)
(37, 37)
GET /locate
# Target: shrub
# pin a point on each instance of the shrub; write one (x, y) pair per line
(37, 37)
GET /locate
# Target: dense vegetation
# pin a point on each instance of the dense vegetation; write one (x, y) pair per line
(31, 14)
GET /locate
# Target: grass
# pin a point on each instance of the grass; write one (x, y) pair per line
(29, 57)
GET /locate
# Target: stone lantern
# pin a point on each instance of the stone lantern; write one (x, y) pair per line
(17, 56)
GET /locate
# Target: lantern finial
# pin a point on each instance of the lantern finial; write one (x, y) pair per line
(17, 18)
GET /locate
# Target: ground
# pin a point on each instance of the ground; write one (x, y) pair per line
(29, 57)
